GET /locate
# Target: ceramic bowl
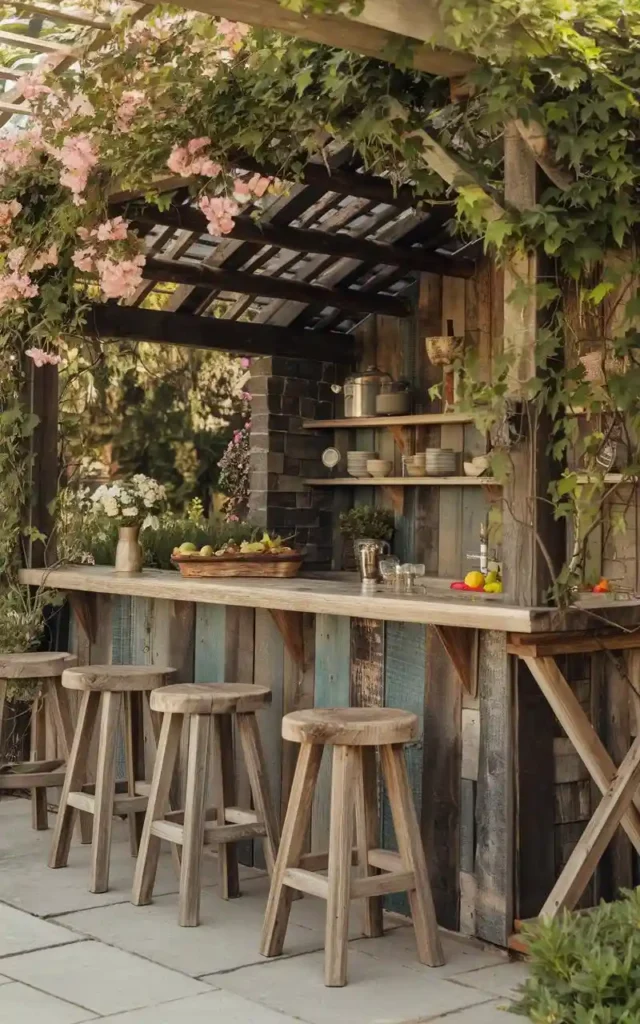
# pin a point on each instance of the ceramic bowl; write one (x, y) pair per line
(379, 467)
(477, 466)
(414, 470)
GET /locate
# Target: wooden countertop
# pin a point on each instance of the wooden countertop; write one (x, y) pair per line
(335, 594)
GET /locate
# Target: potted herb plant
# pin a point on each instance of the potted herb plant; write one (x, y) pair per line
(367, 523)
(133, 504)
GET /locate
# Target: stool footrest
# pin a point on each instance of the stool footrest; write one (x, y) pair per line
(320, 861)
(307, 881)
(234, 833)
(31, 780)
(171, 831)
(122, 804)
(386, 860)
(383, 885)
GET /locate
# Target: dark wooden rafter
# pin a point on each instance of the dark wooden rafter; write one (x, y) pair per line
(183, 329)
(305, 240)
(277, 288)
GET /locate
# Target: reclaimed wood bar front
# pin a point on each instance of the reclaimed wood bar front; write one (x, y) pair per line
(322, 641)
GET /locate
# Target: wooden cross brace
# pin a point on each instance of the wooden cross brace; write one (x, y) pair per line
(620, 804)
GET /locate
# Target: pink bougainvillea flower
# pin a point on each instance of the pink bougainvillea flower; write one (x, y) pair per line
(8, 211)
(17, 150)
(15, 257)
(111, 230)
(77, 156)
(47, 258)
(84, 259)
(246, 396)
(184, 160)
(120, 278)
(32, 85)
(220, 213)
(259, 185)
(130, 102)
(232, 518)
(41, 358)
(16, 286)
(232, 32)
(245, 362)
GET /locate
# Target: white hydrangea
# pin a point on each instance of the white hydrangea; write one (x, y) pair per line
(134, 499)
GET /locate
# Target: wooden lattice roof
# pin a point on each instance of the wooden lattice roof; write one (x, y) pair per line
(335, 247)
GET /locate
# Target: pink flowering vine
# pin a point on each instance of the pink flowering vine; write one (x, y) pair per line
(189, 160)
(130, 102)
(16, 286)
(77, 156)
(119, 279)
(42, 358)
(232, 32)
(220, 213)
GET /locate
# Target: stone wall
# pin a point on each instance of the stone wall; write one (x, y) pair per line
(282, 455)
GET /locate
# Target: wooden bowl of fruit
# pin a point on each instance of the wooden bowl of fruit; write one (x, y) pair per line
(267, 557)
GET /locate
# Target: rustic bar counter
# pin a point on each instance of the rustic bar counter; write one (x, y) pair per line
(487, 746)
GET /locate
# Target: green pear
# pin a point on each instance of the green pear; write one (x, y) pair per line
(187, 548)
(207, 551)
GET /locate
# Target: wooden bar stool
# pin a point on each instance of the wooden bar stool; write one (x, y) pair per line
(354, 733)
(50, 709)
(210, 708)
(103, 688)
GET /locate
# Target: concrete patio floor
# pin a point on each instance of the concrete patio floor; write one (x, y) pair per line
(67, 955)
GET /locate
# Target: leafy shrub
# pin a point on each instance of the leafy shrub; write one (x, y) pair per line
(367, 521)
(585, 968)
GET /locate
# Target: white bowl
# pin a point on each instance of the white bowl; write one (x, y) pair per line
(379, 467)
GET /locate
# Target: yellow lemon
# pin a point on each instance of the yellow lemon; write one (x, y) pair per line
(491, 577)
(474, 579)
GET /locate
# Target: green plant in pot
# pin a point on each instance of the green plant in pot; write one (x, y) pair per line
(370, 529)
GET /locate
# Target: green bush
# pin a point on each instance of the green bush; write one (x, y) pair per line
(585, 968)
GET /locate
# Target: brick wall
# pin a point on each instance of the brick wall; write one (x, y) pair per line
(286, 391)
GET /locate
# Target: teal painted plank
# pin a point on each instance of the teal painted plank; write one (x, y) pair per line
(405, 647)
(210, 654)
(332, 690)
(121, 630)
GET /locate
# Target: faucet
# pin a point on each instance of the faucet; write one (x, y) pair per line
(483, 557)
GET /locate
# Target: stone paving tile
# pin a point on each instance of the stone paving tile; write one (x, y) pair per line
(27, 883)
(20, 932)
(487, 1013)
(376, 993)
(212, 1008)
(103, 979)
(501, 980)
(227, 938)
(20, 1003)
(4, 981)
(461, 956)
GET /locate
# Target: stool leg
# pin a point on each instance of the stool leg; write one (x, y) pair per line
(368, 833)
(156, 718)
(411, 851)
(259, 783)
(147, 863)
(194, 818)
(61, 713)
(74, 779)
(343, 777)
(39, 816)
(105, 791)
(134, 757)
(294, 832)
(224, 796)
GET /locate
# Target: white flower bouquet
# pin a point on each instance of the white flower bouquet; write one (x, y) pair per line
(133, 502)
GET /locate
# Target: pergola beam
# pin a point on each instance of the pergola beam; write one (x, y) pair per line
(242, 282)
(375, 32)
(184, 329)
(23, 42)
(304, 240)
(63, 14)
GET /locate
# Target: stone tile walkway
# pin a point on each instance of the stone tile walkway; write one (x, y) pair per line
(68, 956)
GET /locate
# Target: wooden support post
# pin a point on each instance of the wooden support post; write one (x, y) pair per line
(41, 399)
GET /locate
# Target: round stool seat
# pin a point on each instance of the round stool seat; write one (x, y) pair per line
(116, 678)
(210, 698)
(35, 664)
(350, 727)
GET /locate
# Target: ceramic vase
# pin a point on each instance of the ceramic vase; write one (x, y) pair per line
(129, 551)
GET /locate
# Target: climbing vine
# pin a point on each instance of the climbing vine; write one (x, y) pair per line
(181, 94)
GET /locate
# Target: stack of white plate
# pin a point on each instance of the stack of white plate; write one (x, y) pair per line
(357, 463)
(440, 462)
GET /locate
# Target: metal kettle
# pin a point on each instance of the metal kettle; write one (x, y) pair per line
(368, 554)
(361, 390)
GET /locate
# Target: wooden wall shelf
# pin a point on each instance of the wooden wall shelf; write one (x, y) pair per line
(404, 481)
(418, 419)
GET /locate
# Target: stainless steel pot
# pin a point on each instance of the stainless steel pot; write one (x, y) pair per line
(361, 390)
(368, 554)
